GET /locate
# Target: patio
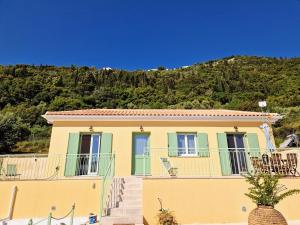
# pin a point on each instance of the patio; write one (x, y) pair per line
(205, 164)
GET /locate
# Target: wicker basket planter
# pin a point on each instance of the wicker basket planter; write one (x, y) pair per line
(266, 215)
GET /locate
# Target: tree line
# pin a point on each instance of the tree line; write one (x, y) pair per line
(237, 82)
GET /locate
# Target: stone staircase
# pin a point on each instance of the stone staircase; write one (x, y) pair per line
(125, 204)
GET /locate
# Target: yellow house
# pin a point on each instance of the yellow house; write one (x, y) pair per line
(147, 142)
(118, 162)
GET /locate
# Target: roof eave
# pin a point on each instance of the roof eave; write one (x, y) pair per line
(52, 118)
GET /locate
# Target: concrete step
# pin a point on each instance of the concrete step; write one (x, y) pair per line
(110, 220)
(129, 197)
(131, 203)
(128, 184)
(132, 191)
(126, 204)
(133, 185)
(130, 206)
(132, 194)
(132, 181)
(126, 211)
(129, 200)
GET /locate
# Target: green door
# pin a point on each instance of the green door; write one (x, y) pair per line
(141, 154)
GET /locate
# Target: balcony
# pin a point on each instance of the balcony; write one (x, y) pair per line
(50, 167)
(156, 162)
(218, 163)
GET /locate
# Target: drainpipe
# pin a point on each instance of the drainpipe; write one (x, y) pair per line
(11, 205)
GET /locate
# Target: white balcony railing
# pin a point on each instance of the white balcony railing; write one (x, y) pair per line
(155, 162)
(161, 162)
(50, 166)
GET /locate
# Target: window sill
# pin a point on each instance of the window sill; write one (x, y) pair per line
(190, 156)
(87, 177)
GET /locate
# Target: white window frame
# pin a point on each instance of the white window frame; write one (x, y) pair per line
(91, 155)
(186, 146)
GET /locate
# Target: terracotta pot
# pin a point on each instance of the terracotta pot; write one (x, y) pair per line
(266, 215)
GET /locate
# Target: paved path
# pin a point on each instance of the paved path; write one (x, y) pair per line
(289, 222)
(82, 220)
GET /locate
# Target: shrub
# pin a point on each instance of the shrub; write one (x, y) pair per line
(166, 217)
(35, 146)
(265, 189)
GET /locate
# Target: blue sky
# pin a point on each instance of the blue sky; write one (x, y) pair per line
(143, 34)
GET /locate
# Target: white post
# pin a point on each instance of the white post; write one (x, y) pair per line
(12, 202)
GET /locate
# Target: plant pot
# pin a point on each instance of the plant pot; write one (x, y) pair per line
(173, 172)
(266, 215)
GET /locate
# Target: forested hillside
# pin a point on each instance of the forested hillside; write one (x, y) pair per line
(28, 91)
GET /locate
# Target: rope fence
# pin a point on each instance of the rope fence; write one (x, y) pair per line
(50, 218)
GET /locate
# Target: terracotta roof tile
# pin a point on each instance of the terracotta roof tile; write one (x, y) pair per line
(159, 112)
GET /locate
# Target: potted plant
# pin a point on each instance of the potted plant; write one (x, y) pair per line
(266, 192)
(173, 171)
(166, 217)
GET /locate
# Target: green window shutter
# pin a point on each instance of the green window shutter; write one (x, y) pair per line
(71, 158)
(172, 144)
(253, 144)
(202, 141)
(105, 153)
(224, 154)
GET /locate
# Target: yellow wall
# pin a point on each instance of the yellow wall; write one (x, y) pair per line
(192, 200)
(35, 198)
(208, 200)
(122, 140)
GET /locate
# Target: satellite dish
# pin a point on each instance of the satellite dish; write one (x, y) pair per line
(262, 104)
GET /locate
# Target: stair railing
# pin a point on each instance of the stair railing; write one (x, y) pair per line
(116, 192)
(106, 188)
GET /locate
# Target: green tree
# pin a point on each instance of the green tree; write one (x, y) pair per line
(12, 130)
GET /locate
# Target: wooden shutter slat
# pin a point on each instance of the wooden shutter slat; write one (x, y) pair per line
(105, 153)
(202, 141)
(224, 154)
(253, 144)
(172, 144)
(72, 153)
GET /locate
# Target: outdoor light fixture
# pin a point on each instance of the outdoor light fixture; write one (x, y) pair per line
(141, 128)
(91, 128)
(236, 129)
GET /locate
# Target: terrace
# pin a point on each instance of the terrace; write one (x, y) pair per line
(154, 163)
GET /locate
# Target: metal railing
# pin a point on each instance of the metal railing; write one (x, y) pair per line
(117, 187)
(52, 166)
(161, 162)
(107, 188)
(213, 162)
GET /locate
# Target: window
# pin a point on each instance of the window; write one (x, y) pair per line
(186, 144)
(237, 154)
(141, 144)
(88, 158)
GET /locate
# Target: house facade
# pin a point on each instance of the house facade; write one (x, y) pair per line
(117, 163)
(146, 142)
